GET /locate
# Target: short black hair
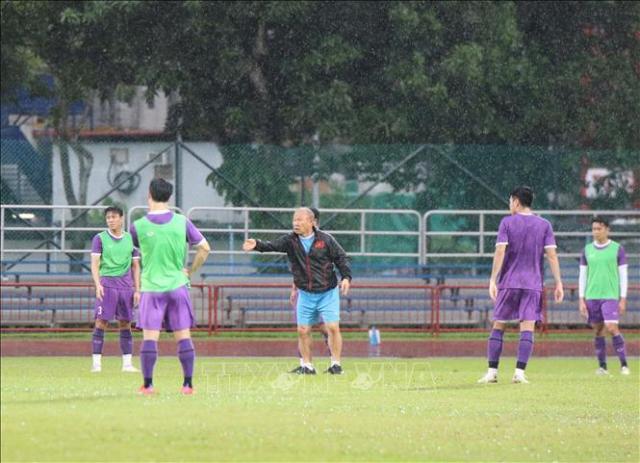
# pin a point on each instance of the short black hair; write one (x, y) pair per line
(316, 213)
(600, 219)
(524, 194)
(115, 209)
(160, 190)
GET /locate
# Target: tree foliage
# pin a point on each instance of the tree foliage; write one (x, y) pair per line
(555, 75)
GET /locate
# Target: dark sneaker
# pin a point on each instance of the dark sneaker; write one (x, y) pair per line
(297, 370)
(335, 370)
(307, 371)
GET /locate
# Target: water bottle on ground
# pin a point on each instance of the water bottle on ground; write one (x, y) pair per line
(374, 341)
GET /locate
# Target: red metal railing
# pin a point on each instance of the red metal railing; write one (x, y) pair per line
(38, 306)
(235, 307)
(54, 307)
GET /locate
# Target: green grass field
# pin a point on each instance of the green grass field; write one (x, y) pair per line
(53, 409)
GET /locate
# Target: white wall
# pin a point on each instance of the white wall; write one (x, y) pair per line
(137, 115)
(195, 191)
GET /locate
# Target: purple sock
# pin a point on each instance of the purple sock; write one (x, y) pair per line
(98, 340)
(187, 356)
(494, 348)
(148, 357)
(601, 351)
(618, 345)
(525, 347)
(126, 342)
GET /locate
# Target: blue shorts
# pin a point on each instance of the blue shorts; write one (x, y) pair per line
(311, 306)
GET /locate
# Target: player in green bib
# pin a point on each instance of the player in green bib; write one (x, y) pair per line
(602, 289)
(162, 237)
(112, 259)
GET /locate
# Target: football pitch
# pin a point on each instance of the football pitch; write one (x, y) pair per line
(54, 409)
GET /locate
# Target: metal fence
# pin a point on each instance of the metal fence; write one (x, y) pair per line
(374, 243)
(444, 246)
(478, 229)
(461, 243)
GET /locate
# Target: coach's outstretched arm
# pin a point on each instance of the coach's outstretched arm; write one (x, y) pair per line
(280, 244)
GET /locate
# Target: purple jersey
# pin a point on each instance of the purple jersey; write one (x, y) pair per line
(121, 282)
(161, 217)
(526, 237)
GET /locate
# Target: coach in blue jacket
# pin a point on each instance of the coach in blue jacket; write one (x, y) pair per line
(313, 255)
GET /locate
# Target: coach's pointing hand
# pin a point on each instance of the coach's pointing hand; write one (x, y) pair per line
(249, 245)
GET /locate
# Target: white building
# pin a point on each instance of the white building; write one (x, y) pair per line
(112, 160)
(137, 114)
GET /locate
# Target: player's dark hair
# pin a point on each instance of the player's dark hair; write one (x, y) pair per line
(160, 190)
(316, 214)
(601, 220)
(524, 194)
(114, 209)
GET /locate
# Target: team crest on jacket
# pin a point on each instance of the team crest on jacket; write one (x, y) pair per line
(319, 245)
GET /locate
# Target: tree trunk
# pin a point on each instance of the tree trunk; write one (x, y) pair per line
(260, 85)
(67, 138)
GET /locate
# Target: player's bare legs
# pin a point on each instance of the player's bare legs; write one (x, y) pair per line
(179, 335)
(325, 335)
(335, 341)
(151, 335)
(304, 343)
(612, 329)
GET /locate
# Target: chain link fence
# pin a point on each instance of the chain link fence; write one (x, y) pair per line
(108, 170)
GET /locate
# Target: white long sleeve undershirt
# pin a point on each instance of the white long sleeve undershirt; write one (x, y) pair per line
(582, 281)
(623, 273)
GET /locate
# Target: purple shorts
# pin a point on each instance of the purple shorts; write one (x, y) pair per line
(172, 310)
(518, 304)
(116, 303)
(603, 310)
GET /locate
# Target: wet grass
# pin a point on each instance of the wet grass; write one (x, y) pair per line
(53, 409)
